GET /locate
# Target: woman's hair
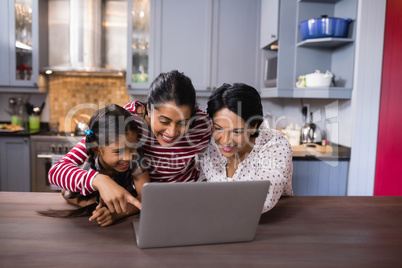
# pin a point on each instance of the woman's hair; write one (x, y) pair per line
(172, 86)
(106, 125)
(241, 99)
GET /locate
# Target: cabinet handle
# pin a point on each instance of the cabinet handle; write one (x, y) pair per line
(35, 84)
(273, 36)
(208, 88)
(25, 140)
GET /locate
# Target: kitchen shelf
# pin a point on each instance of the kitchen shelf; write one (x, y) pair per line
(298, 57)
(310, 93)
(328, 42)
(326, 92)
(274, 92)
(320, 1)
(330, 53)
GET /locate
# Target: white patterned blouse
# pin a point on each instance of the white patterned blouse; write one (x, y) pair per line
(270, 159)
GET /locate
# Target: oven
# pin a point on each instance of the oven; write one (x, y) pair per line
(44, 149)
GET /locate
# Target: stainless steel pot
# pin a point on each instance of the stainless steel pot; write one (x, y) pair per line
(82, 125)
(310, 132)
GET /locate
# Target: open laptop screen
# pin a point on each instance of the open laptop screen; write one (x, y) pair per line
(178, 214)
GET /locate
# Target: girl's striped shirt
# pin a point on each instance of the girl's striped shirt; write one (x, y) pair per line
(165, 164)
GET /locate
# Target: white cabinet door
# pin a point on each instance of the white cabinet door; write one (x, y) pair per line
(269, 22)
(185, 39)
(4, 44)
(235, 42)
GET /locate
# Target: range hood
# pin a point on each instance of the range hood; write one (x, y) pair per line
(87, 37)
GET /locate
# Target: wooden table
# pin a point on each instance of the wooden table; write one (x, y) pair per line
(299, 232)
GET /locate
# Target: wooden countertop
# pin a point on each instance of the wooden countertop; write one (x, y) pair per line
(300, 231)
(314, 152)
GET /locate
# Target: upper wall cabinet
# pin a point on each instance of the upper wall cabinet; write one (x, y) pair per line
(333, 54)
(269, 22)
(4, 44)
(139, 61)
(23, 42)
(211, 41)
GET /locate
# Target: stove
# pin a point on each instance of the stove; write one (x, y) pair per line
(46, 148)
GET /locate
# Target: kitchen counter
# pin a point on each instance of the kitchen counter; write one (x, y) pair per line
(337, 153)
(25, 132)
(300, 231)
(333, 152)
(21, 133)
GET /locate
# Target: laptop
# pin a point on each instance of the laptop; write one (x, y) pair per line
(195, 213)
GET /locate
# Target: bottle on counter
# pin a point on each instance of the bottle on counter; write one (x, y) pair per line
(21, 115)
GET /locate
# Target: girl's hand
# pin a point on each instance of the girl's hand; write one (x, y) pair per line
(114, 196)
(102, 215)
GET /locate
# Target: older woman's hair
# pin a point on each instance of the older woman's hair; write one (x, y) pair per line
(241, 99)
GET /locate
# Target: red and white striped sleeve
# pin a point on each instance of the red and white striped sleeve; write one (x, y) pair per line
(68, 175)
(131, 106)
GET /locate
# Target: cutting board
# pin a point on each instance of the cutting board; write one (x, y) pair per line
(312, 149)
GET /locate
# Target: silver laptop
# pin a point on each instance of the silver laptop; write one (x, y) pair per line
(182, 214)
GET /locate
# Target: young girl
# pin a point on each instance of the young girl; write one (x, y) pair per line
(112, 147)
(172, 130)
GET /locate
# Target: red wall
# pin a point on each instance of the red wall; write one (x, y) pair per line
(388, 178)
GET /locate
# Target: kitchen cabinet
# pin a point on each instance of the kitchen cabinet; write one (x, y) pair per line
(211, 41)
(185, 34)
(269, 22)
(285, 53)
(4, 54)
(139, 73)
(15, 164)
(23, 44)
(320, 177)
(334, 54)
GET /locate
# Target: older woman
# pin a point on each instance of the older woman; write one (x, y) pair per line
(242, 148)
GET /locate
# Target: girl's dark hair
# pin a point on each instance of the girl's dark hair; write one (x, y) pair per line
(241, 99)
(107, 124)
(71, 213)
(172, 86)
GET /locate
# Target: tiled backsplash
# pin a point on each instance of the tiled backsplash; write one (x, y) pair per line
(83, 95)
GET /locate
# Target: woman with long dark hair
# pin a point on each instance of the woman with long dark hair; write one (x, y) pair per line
(172, 131)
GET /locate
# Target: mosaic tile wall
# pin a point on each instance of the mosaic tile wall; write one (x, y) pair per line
(75, 95)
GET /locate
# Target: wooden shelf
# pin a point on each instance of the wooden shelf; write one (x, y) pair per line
(328, 42)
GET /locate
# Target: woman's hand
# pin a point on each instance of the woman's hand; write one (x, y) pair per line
(114, 196)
